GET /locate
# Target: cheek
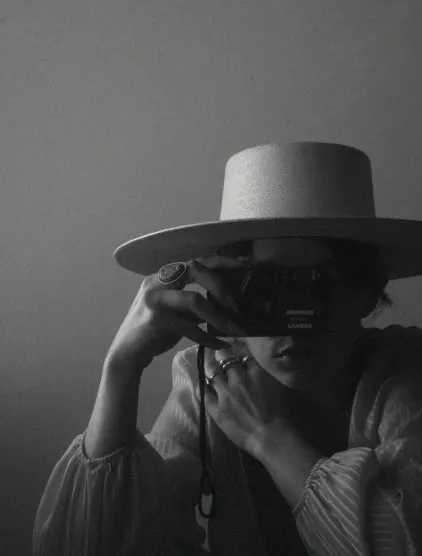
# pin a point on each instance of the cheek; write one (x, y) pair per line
(260, 349)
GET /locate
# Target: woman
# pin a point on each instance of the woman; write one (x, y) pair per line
(313, 452)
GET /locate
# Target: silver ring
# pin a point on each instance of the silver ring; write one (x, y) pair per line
(175, 275)
(225, 364)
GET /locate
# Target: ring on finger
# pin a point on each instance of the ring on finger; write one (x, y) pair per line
(221, 371)
(176, 275)
(228, 362)
(225, 364)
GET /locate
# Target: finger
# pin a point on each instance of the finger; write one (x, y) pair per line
(235, 374)
(238, 348)
(211, 404)
(189, 330)
(213, 284)
(210, 398)
(223, 353)
(203, 276)
(193, 304)
(211, 281)
(212, 370)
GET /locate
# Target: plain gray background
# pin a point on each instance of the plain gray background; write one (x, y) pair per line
(116, 120)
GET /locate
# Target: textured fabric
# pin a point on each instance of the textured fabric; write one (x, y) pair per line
(363, 499)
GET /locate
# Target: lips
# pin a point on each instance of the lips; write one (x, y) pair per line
(293, 350)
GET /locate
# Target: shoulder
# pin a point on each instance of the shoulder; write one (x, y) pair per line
(394, 332)
(404, 346)
(393, 353)
(390, 390)
(402, 387)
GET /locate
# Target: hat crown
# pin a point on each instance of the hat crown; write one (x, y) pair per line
(298, 180)
(304, 189)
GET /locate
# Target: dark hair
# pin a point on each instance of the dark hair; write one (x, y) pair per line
(348, 253)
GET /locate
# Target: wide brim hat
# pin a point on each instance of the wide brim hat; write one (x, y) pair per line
(301, 189)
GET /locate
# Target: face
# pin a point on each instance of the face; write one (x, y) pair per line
(327, 356)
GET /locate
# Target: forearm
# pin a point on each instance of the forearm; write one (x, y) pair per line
(113, 419)
(289, 460)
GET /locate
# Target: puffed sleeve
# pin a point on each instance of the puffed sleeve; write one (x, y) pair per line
(136, 500)
(368, 500)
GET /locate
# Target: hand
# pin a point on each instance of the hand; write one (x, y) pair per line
(160, 316)
(248, 405)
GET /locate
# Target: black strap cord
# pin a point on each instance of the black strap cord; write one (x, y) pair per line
(206, 486)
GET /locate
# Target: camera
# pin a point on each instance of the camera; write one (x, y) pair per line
(279, 301)
(276, 301)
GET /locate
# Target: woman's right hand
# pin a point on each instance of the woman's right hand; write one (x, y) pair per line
(160, 316)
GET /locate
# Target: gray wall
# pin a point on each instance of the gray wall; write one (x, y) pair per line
(116, 119)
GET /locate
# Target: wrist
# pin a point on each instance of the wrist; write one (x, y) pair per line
(267, 438)
(289, 459)
(126, 367)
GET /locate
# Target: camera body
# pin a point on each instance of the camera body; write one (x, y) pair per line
(279, 301)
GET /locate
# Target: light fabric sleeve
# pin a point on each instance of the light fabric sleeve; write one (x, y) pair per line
(136, 500)
(368, 500)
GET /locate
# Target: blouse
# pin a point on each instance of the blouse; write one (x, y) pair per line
(141, 499)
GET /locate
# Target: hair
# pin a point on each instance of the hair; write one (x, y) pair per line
(348, 253)
(351, 252)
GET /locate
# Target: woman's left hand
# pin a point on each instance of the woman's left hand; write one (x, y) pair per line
(249, 405)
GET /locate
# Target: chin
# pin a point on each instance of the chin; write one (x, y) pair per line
(302, 378)
(299, 383)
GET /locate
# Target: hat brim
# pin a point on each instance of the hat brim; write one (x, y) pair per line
(399, 241)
